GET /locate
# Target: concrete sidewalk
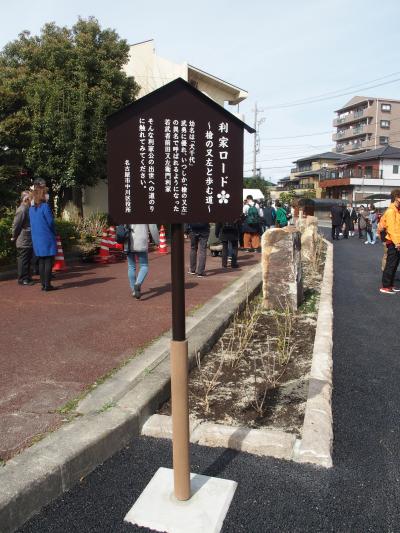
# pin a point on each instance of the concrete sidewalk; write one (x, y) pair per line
(55, 345)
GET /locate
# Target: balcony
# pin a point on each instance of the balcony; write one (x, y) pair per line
(352, 117)
(351, 173)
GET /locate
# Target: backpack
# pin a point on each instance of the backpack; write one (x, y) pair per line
(281, 217)
(252, 216)
(122, 233)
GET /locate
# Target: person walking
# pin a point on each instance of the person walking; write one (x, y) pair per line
(349, 218)
(21, 235)
(281, 220)
(269, 216)
(198, 233)
(228, 233)
(136, 247)
(43, 235)
(337, 215)
(251, 227)
(362, 221)
(372, 225)
(392, 242)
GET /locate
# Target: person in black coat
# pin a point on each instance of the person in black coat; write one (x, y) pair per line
(349, 218)
(228, 233)
(337, 216)
(21, 235)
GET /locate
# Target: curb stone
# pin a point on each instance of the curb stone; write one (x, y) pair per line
(317, 434)
(52, 466)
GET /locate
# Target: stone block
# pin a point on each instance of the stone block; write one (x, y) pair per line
(257, 441)
(309, 236)
(281, 268)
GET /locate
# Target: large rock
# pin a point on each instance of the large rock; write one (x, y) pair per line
(281, 264)
(309, 236)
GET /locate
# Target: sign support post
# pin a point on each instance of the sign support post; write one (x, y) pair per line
(179, 369)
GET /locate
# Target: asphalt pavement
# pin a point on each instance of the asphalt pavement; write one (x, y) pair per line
(359, 494)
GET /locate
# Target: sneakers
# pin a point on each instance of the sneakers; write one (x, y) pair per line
(191, 273)
(201, 275)
(136, 292)
(395, 289)
(366, 242)
(388, 290)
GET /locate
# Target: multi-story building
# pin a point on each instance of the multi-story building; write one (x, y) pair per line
(358, 177)
(305, 176)
(366, 123)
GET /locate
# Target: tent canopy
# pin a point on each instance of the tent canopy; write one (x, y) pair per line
(255, 193)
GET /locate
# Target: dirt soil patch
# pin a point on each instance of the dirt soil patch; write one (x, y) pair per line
(256, 375)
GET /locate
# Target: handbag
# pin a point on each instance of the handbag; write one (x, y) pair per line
(122, 233)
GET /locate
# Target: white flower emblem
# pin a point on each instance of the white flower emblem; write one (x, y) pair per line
(223, 197)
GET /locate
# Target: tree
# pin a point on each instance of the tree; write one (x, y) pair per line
(56, 90)
(257, 183)
(287, 197)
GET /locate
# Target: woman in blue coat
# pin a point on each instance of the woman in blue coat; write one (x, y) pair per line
(43, 236)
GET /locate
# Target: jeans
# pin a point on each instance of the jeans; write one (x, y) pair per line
(225, 252)
(142, 257)
(24, 257)
(371, 235)
(392, 262)
(198, 243)
(45, 266)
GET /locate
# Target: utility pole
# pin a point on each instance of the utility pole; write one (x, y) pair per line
(256, 138)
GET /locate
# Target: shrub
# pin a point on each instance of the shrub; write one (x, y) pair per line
(90, 228)
(7, 248)
(68, 232)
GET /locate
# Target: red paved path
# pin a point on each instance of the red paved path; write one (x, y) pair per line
(53, 345)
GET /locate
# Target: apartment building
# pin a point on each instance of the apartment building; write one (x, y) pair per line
(367, 123)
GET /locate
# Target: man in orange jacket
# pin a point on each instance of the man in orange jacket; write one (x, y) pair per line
(391, 223)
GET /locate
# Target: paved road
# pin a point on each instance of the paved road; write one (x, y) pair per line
(53, 345)
(359, 495)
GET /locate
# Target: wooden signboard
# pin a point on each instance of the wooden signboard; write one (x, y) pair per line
(175, 156)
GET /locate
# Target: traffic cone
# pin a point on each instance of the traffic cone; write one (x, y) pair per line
(104, 254)
(163, 248)
(59, 261)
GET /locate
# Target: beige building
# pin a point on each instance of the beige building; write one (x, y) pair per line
(151, 72)
(366, 123)
(306, 175)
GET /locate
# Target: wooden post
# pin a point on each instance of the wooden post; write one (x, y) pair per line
(179, 369)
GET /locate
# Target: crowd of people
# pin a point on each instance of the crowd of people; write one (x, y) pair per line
(386, 227)
(345, 217)
(34, 234)
(246, 231)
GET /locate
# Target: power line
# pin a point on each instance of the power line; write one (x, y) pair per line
(297, 136)
(283, 106)
(359, 85)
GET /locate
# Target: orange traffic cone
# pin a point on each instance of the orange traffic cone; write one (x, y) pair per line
(163, 248)
(104, 254)
(59, 261)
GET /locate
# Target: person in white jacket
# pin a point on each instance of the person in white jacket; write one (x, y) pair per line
(136, 248)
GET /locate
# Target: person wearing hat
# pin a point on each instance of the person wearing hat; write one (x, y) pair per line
(21, 235)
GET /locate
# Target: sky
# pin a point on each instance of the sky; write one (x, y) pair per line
(280, 52)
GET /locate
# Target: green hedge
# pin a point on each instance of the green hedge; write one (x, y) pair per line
(68, 232)
(7, 248)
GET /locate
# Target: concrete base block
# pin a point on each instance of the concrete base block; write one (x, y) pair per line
(258, 441)
(158, 509)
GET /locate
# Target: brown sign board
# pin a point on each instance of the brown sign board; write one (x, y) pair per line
(175, 156)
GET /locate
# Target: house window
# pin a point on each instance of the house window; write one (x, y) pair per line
(383, 140)
(368, 172)
(395, 169)
(386, 108)
(385, 124)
